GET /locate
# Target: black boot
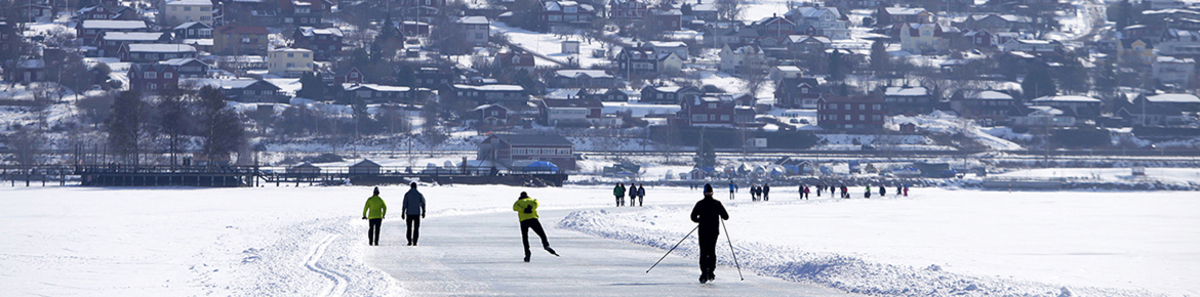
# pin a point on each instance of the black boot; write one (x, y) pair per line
(527, 254)
(548, 249)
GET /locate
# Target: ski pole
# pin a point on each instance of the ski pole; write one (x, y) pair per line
(730, 241)
(673, 248)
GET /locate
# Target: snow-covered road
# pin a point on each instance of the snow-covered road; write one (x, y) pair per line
(480, 255)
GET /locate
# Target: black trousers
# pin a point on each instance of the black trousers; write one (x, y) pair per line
(537, 228)
(373, 231)
(708, 251)
(414, 228)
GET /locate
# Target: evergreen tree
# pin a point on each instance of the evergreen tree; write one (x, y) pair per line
(311, 87)
(879, 57)
(837, 68)
(1038, 83)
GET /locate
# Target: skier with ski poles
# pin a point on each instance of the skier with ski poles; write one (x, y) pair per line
(373, 212)
(707, 213)
(526, 209)
(412, 207)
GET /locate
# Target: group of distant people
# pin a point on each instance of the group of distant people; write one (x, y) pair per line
(763, 192)
(413, 210)
(637, 194)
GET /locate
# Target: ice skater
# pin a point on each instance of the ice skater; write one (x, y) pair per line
(805, 192)
(883, 191)
(732, 188)
(619, 193)
(867, 194)
(641, 194)
(412, 211)
(707, 213)
(373, 212)
(526, 209)
(766, 192)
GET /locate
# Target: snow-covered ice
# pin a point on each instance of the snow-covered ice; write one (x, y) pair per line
(308, 241)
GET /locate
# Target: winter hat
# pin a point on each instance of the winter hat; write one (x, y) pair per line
(376, 191)
(523, 196)
(708, 188)
(413, 185)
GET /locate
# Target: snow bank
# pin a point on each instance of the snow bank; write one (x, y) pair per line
(942, 243)
(943, 123)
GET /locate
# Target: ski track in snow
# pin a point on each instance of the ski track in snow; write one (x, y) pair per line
(841, 272)
(312, 262)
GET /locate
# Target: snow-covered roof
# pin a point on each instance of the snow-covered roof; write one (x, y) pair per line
(190, 2)
(1173, 98)
(1170, 59)
(310, 31)
(474, 20)
(666, 44)
(201, 41)
(32, 64)
(813, 12)
(904, 10)
(1067, 98)
(906, 91)
(589, 73)
(508, 88)
(290, 49)
(189, 24)
(114, 24)
(987, 95)
(381, 88)
(178, 61)
(161, 48)
(133, 36)
(787, 68)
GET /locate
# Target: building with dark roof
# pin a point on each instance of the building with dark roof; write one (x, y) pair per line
(504, 149)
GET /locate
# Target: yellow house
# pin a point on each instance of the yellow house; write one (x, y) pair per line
(289, 62)
(182, 11)
(1135, 50)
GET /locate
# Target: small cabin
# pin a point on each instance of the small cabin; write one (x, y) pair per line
(570, 47)
(365, 167)
(306, 168)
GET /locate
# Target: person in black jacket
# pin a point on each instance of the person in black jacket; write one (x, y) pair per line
(766, 192)
(707, 212)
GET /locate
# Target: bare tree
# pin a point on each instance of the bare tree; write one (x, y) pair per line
(729, 10)
(27, 144)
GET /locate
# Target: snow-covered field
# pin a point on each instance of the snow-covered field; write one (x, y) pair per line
(306, 241)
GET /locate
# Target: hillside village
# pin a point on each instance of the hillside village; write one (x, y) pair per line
(222, 78)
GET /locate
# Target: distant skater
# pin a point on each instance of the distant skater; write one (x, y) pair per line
(806, 192)
(526, 209)
(732, 188)
(619, 193)
(899, 189)
(867, 194)
(883, 191)
(641, 194)
(373, 212)
(707, 213)
(819, 190)
(412, 211)
(905, 190)
(766, 192)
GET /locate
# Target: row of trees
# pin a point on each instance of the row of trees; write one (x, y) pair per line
(167, 123)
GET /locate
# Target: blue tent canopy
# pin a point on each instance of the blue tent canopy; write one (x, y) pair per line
(542, 166)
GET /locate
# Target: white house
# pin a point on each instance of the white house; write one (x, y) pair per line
(289, 62)
(923, 38)
(182, 11)
(1032, 45)
(476, 28)
(1172, 70)
(680, 49)
(826, 21)
(745, 59)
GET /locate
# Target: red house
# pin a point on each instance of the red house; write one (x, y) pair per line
(708, 111)
(517, 60)
(850, 112)
(152, 77)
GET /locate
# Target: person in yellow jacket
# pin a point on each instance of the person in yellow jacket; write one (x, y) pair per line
(526, 209)
(374, 212)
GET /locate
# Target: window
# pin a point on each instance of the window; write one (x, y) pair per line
(168, 75)
(803, 90)
(699, 118)
(847, 117)
(831, 106)
(191, 31)
(290, 65)
(174, 8)
(306, 55)
(877, 117)
(152, 86)
(185, 8)
(149, 75)
(204, 8)
(712, 105)
(291, 55)
(247, 92)
(862, 117)
(847, 106)
(862, 107)
(878, 106)
(724, 117)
